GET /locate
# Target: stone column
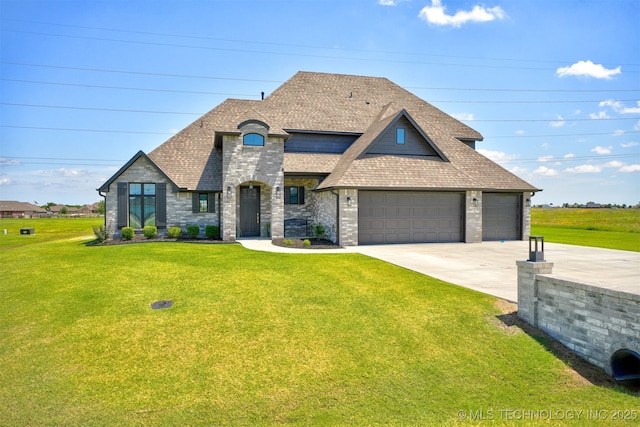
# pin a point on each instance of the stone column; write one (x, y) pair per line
(528, 289)
(473, 217)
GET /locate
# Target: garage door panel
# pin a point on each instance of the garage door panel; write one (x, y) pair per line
(410, 216)
(501, 216)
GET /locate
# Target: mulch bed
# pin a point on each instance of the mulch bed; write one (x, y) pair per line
(315, 244)
(139, 238)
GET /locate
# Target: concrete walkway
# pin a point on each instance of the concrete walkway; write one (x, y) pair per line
(490, 267)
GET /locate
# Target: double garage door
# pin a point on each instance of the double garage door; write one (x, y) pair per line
(410, 217)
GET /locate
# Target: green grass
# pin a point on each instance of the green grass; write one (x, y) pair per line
(257, 339)
(604, 228)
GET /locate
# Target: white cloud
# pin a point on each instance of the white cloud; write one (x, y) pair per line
(63, 172)
(387, 2)
(545, 158)
(637, 126)
(602, 150)
(497, 156)
(5, 181)
(435, 14)
(585, 169)
(618, 132)
(558, 123)
(619, 107)
(517, 170)
(630, 168)
(629, 144)
(545, 171)
(631, 110)
(9, 162)
(588, 69)
(569, 156)
(600, 115)
(520, 132)
(464, 116)
(613, 164)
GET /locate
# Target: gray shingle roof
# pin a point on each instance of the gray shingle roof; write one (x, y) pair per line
(338, 103)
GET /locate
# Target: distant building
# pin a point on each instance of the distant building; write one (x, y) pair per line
(14, 209)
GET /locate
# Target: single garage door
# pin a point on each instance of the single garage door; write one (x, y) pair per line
(501, 216)
(410, 217)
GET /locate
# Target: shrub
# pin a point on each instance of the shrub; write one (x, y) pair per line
(306, 242)
(287, 242)
(127, 233)
(150, 231)
(318, 231)
(193, 231)
(174, 232)
(212, 231)
(101, 232)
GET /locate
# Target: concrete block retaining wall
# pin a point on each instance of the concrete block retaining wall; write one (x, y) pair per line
(594, 322)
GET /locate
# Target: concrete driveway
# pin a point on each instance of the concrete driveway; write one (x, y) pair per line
(490, 267)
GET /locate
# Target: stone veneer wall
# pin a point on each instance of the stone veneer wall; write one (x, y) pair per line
(179, 204)
(324, 212)
(473, 217)
(593, 322)
(261, 165)
(526, 215)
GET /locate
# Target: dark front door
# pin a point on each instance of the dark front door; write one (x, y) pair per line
(249, 211)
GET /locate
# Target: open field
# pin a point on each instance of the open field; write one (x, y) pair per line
(261, 339)
(603, 228)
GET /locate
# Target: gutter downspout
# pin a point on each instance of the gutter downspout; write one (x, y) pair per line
(104, 196)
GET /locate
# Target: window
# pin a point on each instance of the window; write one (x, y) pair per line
(253, 139)
(294, 195)
(400, 136)
(204, 203)
(142, 205)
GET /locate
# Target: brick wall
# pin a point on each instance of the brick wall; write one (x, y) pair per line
(593, 322)
(179, 204)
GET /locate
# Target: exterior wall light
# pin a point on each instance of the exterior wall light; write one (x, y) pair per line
(278, 192)
(474, 202)
(349, 201)
(527, 203)
(229, 191)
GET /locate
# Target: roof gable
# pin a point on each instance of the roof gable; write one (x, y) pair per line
(123, 169)
(415, 141)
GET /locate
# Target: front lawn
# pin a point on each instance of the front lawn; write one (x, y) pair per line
(259, 338)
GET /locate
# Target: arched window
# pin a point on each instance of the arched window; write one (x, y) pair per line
(254, 139)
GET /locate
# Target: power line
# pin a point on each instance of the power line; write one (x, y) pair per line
(86, 130)
(119, 110)
(266, 43)
(144, 73)
(169, 133)
(139, 73)
(263, 52)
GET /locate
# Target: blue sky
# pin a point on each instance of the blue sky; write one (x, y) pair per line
(554, 86)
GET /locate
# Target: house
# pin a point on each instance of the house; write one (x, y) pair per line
(363, 157)
(14, 209)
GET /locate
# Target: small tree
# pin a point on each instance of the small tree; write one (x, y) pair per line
(64, 210)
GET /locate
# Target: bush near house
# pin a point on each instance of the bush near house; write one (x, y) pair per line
(150, 231)
(127, 233)
(174, 232)
(212, 231)
(193, 231)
